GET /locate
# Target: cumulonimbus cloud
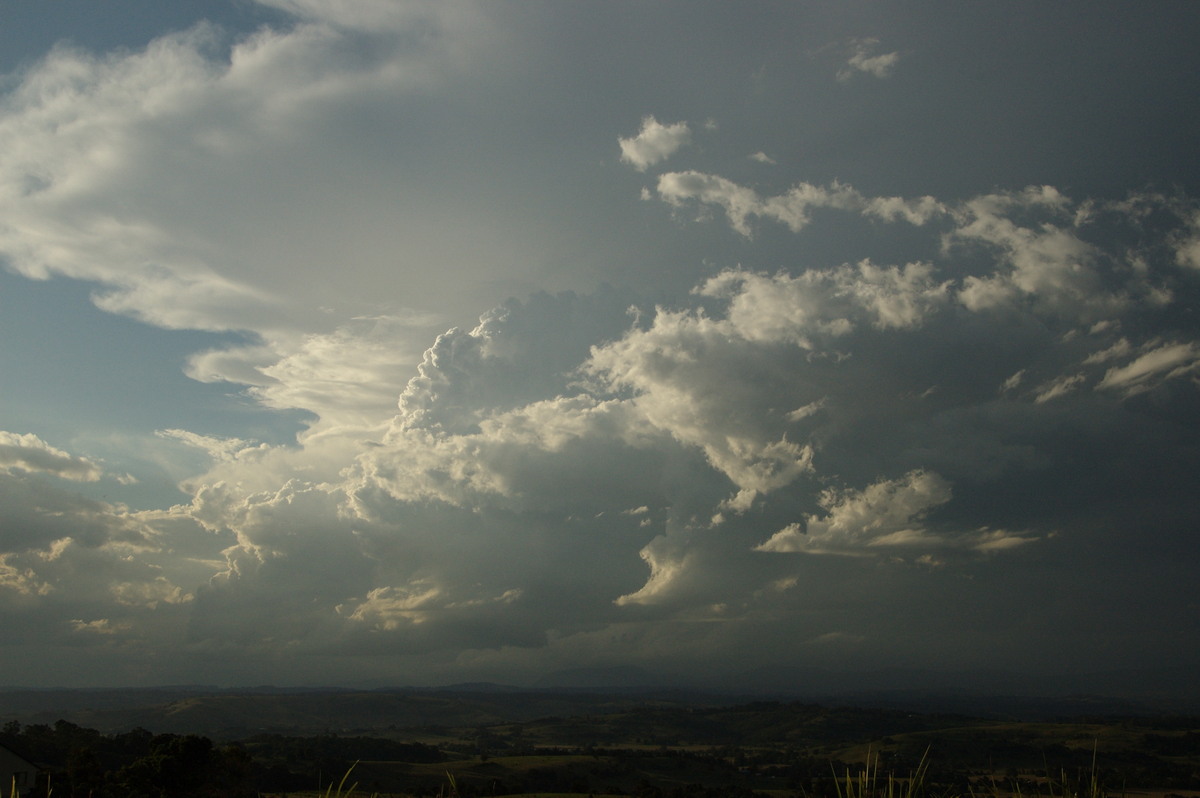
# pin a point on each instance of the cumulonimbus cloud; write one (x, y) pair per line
(566, 474)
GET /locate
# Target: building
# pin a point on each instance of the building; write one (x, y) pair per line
(16, 772)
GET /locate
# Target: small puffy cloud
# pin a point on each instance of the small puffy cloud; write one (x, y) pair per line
(130, 580)
(863, 60)
(30, 454)
(1120, 350)
(888, 516)
(994, 540)
(100, 626)
(1060, 386)
(793, 208)
(801, 413)
(1154, 366)
(391, 608)
(1013, 382)
(919, 211)
(886, 513)
(740, 202)
(1187, 243)
(762, 157)
(827, 303)
(149, 593)
(1049, 263)
(654, 143)
(1057, 255)
(1036, 243)
(896, 297)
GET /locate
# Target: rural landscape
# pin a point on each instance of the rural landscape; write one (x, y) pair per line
(491, 740)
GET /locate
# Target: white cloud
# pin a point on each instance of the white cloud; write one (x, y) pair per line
(886, 513)
(30, 454)
(607, 443)
(993, 540)
(862, 60)
(1013, 382)
(678, 371)
(1049, 264)
(1154, 366)
(392, 608)
(80, 559)
(219, 449)
(793, 208)
(1039, 233)
(65, 557)
(564, 479)
(740, 203)
(1060, 386)
(350, 376)
(1187, 243)
(758, 397)
(654, 143)
(827, 303)
(255, 184)
(919, 211)
(887, 517)
(100, 626)
(1121, 349)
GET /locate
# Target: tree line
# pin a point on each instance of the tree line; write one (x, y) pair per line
(80, 762)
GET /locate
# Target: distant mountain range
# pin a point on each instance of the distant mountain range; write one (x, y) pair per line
(230, 713)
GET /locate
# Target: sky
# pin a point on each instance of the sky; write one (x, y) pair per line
(370, 342)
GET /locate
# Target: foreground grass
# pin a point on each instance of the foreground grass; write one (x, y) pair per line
(869, 781)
